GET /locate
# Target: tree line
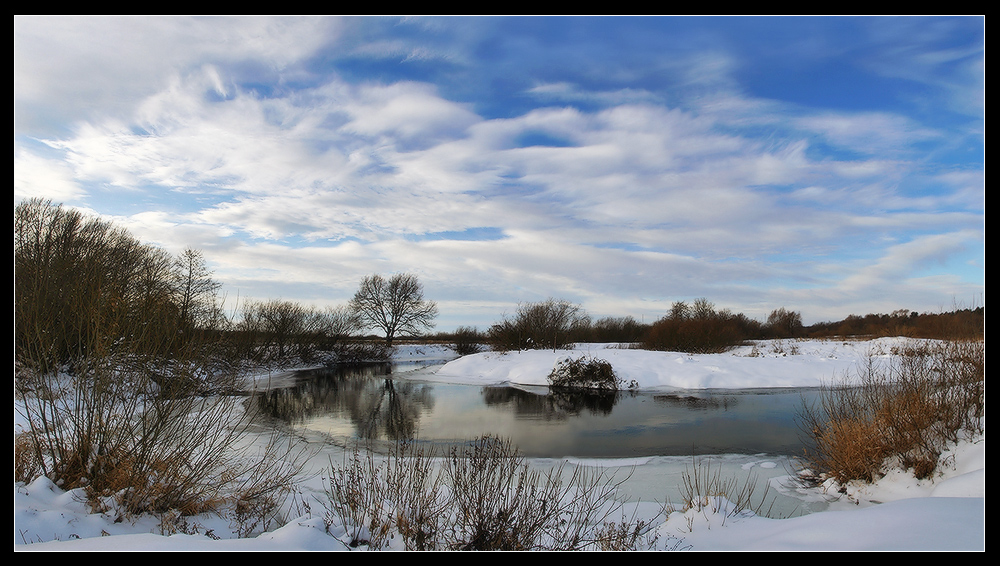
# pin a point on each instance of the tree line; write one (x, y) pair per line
(700, 327)
(83, 287)
(86, 289)
(696, 327)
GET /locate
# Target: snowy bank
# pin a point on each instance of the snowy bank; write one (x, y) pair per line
(767, 364)
(898, 512)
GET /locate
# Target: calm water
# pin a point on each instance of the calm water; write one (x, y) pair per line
(376, 403)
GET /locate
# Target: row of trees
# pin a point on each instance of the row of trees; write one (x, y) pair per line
(700, 327)
(277, 330)
(694, 327)
(959, 324)
(85, 289)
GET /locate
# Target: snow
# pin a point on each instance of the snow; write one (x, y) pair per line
(769, 364)
(898, 512)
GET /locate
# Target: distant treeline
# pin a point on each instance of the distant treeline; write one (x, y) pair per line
(959, 324)
(84, 289)
(699, 327)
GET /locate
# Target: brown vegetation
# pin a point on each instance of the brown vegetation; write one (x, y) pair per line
(542, 325)
(959, 324)
(901, 412)
(126, 389)
(700, 328)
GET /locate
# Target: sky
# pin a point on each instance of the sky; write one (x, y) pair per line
(827, 165)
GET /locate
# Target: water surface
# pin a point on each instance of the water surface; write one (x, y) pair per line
(380, 403)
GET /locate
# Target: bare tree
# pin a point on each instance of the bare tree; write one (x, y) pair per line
(395, 305)
(195, 289)
(783, 323)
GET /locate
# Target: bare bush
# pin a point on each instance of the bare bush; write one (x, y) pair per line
(700, 328)
(113, 430)
(705, 488)
(467, 340)
(483, 497)
(375, 498)
(547, 324)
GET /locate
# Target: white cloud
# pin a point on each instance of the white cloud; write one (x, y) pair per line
(36, 176)
(871, 133)
(722, 195)
(85, 67)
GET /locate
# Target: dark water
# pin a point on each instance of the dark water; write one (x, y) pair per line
(371, 403)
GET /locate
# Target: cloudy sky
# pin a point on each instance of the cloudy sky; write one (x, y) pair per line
(833, 166)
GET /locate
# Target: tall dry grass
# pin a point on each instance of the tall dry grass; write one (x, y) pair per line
(145, 436)
(902, 410)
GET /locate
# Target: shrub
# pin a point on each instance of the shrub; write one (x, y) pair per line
(705, 488)
(483, 497)
(700, 329)
(467, 341)
(904, 410)
(150, 445)
(548, 324)
(372, 500)
(584, 373)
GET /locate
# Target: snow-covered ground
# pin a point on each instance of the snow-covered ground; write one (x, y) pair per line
(896, 513)
(768, 364)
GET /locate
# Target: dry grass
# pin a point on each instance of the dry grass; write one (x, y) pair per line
(705, 489)
(112, 430)
(483, 496)
(903, 411)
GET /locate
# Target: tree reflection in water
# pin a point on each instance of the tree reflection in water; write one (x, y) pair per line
(556, 405)
(370, 404)
(382, 408)
(378, 406)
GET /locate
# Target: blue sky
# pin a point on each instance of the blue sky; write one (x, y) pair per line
(829, 165)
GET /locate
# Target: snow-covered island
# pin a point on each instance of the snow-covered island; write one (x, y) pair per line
(898, 512)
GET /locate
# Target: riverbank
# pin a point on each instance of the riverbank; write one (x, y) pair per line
(761, 365)
(946, 512)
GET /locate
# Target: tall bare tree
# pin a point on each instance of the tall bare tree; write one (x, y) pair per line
(395, 305)
(195, 289)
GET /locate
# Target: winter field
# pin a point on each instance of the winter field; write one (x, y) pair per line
(896, 513)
